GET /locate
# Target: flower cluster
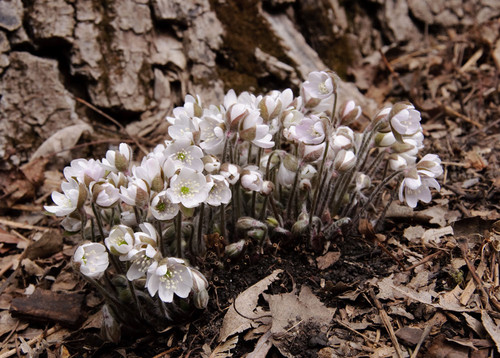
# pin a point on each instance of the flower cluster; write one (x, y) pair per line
(249, 169)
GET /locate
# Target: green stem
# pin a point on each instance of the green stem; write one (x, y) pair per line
(292, 193)
(319, 187)
(178, 234)
(200, 228)
(376, 191)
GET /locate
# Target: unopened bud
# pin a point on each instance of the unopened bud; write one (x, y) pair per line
(350, 113)
(235, 249)
(257, 234)
(267, 187)
(246, 223)
(200, 299)
(344, 161)
(301, 227)
(211, 163)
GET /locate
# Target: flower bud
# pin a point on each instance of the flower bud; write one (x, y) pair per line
(272, 222)
(300, 228)
(267, 187)
(257, 234)
(211, 163)
(311, 153)
(384, 139)
(350, 112)
(344, 161)
(231, 172)
(246, 223)
(200, 299)
(251, 179)
(235, 249)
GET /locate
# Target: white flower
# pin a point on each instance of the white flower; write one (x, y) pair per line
(253, 130)
(311, 153)
(104, 194)
(136, 194)
(342, 139)
(350, 112)
(72, 223)
(251, 178)
(184, 155)
(162, 208)
(344, 160)
(73, 198)
(414, 189)
(211, 164)
(318, 85)
(287, 170)
(310, 130)
(93, 259)
(189, 188)
(430, 165)
(120, 240)
(150, 171)
(213, 132)
(168, 278)
(220, 192)
(144, 252)
(185, 125)
(128, 218)
(404, 119)
(118, 160)
(85, 171)
(231, 172)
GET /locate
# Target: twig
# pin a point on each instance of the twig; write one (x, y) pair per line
(32, 341)
(22, 226)
(451, 112)
(423, 337)
(365, 337)
(114, 121)
(387, 323)
(424, 260)
(484, 295)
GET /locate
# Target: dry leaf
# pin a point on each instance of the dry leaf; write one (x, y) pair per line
(414, 233)
(328, 259)
(432, 237)
(491, 327)
(245, 303)
(223, 349)
(62, 139)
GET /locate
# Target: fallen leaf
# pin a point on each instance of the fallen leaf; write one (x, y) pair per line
(223, 349)
(414, 233)
(288, 309)
(328, 259)
(409, 335)
(246, 304)
(62, 139)
(432, 237)
(440, 348)
(491, 327)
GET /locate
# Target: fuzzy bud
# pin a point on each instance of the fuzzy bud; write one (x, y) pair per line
(235, 249)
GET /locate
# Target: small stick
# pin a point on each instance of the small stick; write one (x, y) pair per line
(423, 337)
(31, 341)
(424, 260)
(387, 323)
(450, 111)
(484, 295)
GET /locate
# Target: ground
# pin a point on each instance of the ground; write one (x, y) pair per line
(425, 284)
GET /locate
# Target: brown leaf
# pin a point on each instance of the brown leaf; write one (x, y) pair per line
(328, 259)
(246, 304)
(491, 327)
(440, 348)
(50, 243)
